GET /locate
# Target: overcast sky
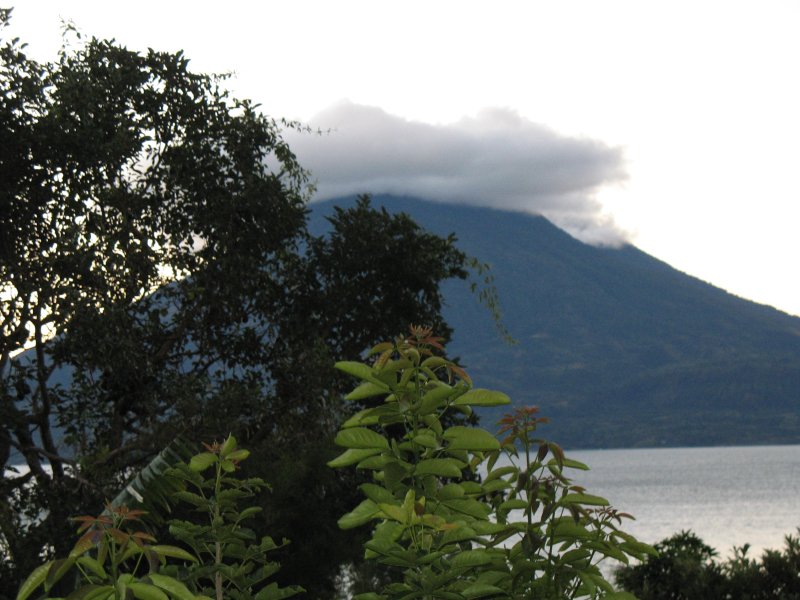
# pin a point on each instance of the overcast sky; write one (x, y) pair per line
(672, 125)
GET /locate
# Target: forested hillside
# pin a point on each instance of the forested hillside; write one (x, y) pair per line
(619, 348)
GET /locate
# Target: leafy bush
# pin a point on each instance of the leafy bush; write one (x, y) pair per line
(458, 513)
(448, 535)
(688, 569)
(117, 560)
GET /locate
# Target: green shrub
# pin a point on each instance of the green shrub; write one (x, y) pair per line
(448, 535)
(688, 569)
(116, 559)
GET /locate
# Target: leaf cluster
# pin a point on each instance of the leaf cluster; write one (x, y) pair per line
(113, 560)
(230, 561)
(456, 538)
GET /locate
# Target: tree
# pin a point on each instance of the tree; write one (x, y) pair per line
(158, 277)
(688, 569)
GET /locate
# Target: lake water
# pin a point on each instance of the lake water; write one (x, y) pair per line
(727, 496)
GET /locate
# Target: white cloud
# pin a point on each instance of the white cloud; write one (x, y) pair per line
(496, 159)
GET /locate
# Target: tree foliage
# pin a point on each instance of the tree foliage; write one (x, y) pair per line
(688, 569)
(157, 277)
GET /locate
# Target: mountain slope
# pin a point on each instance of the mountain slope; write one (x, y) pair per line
(619, 348)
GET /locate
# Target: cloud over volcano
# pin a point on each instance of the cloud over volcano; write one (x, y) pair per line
(496, 159)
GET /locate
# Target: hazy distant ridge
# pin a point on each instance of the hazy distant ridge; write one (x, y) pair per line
(618, 347)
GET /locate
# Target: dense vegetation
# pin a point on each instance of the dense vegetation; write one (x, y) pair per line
(160, 282)
(614, 344)
(157, 269)
(525, 531)
(688, 569)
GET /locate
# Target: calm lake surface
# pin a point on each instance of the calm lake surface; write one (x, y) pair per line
(727, 496)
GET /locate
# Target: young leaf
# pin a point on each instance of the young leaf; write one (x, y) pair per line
(173, 551)
(145, 591)
(441, 467)
(352, 456)
(361, 371)
(200, 462)
(93, 592)
(360, 437)
(376, 493)
(361, 514)
(93, 565)
(468, 506)
(481, 397)
(228, 446)
(172, 586)
(34, 580)
(273, 592)
(472, 439)
(367, 389)
(434, 398)
(470, 558)
(238, 455)
(481, 590)
(57, 570)
(584, 499)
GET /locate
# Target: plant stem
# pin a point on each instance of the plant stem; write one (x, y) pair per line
(217, 544)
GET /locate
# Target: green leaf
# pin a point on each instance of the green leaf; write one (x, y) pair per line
(191, 498)
(57, 570)
(514, 504)
(488, 528)
(145, 591)
(274, 592)
(501, 472)
(481, 397)
(361, 371)
(200, 462)
(470, 558)
(426, 440)
(434, 398)
(481, 590)
(583, 499)
(369, 596)
(352, 456)
(568, 528)
(34, 580)
(121, 585)
(460, 534)
(92, 592)
(575, 464)
(434, 362)
(367, 389)
(441, 467)
(468, 506)
(361, 514)
(94, 565)
(495, 485)
(239, 455)
(360, 437)
(395, 512)
(470, 438)
(173, 552)
(172, 586)
(376, 493)
(228, 446)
